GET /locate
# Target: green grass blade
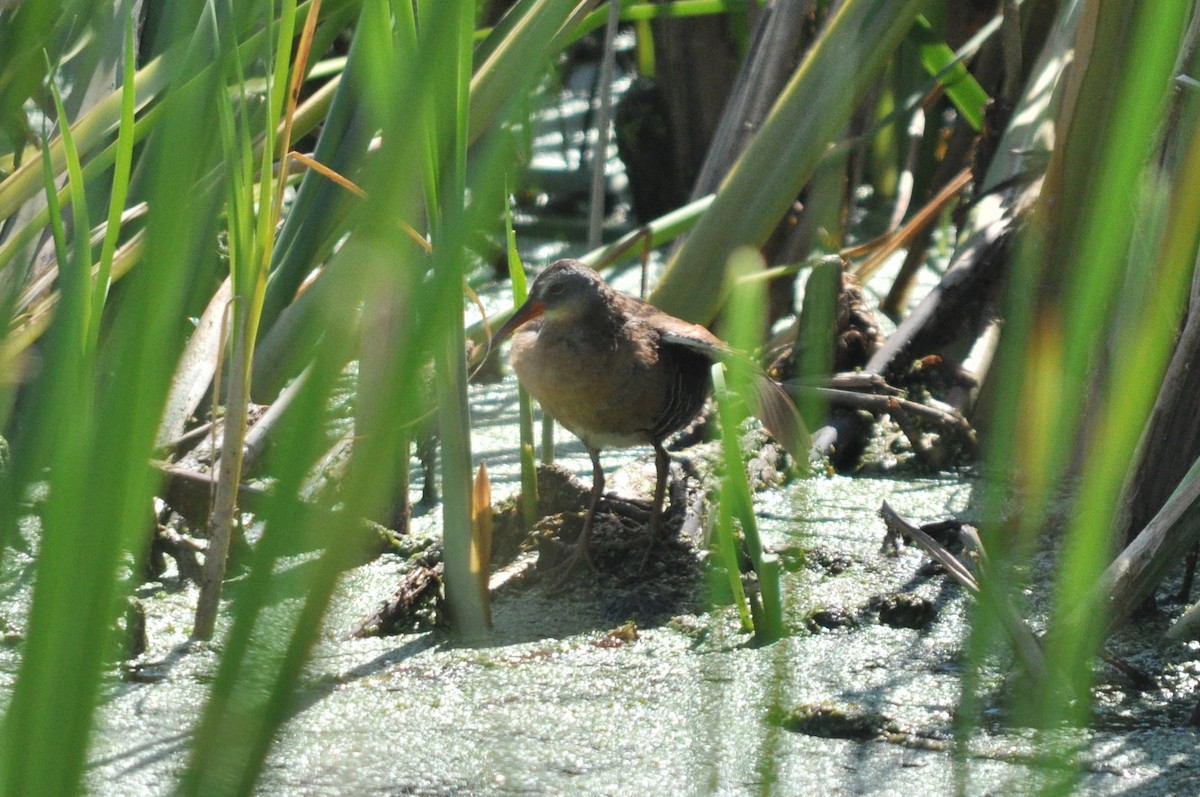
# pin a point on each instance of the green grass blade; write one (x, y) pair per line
(1105, 226)
(101, 480)
(120, 183)
(529, 485)
(320, 212)
(462, 592)
(743, 322)
(812, 109)
(260, 672)
(726, 543)
(253, 214)
(506, 71)
(89, 131)
(940, 61)
(75, 275)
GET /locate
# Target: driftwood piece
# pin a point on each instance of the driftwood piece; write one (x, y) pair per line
(769, 62)
(946, 418)
(1134, 574)
(869, 392)
(261, 422)
(898, 528)
(401, 611)
(953, 311)
(1025, 643)
(189, 493)
(255, 441)
(1187, 626)
(185, 550)
(952, 318)
(1171, 441)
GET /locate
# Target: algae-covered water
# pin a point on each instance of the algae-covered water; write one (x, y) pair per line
(637, 685)
(601, 690)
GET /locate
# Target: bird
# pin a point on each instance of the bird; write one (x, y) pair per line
(616, 372)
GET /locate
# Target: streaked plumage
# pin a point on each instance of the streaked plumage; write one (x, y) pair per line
(616, 372)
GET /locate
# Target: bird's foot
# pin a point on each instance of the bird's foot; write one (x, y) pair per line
(634, 509)
(560, 573)
(650, 546)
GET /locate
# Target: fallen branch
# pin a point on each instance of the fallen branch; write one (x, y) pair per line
(946, 418)
(400, 612)
(1134, 574)
(1025, 643)
(188, 493)
(952, 317)
(899, 528)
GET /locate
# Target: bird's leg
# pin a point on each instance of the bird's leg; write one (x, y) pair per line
(580, 554)
(581, 545)
(662, 466)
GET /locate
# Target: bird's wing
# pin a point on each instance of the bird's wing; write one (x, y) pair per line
(768, 401)
(694, 337)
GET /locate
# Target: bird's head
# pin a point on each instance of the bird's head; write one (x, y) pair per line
(565, 291)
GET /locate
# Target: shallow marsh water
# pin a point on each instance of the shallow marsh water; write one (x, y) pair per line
(855, 700)
(553, 704)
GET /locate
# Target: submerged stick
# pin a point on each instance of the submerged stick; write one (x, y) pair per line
(1025, 643)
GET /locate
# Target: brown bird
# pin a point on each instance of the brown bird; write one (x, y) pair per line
(618, 372)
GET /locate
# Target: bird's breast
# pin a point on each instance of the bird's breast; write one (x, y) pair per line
(606, 391)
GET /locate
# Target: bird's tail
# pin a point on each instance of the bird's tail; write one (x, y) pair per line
(775, 408)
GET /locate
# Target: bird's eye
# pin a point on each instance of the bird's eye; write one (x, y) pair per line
(556, 289)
